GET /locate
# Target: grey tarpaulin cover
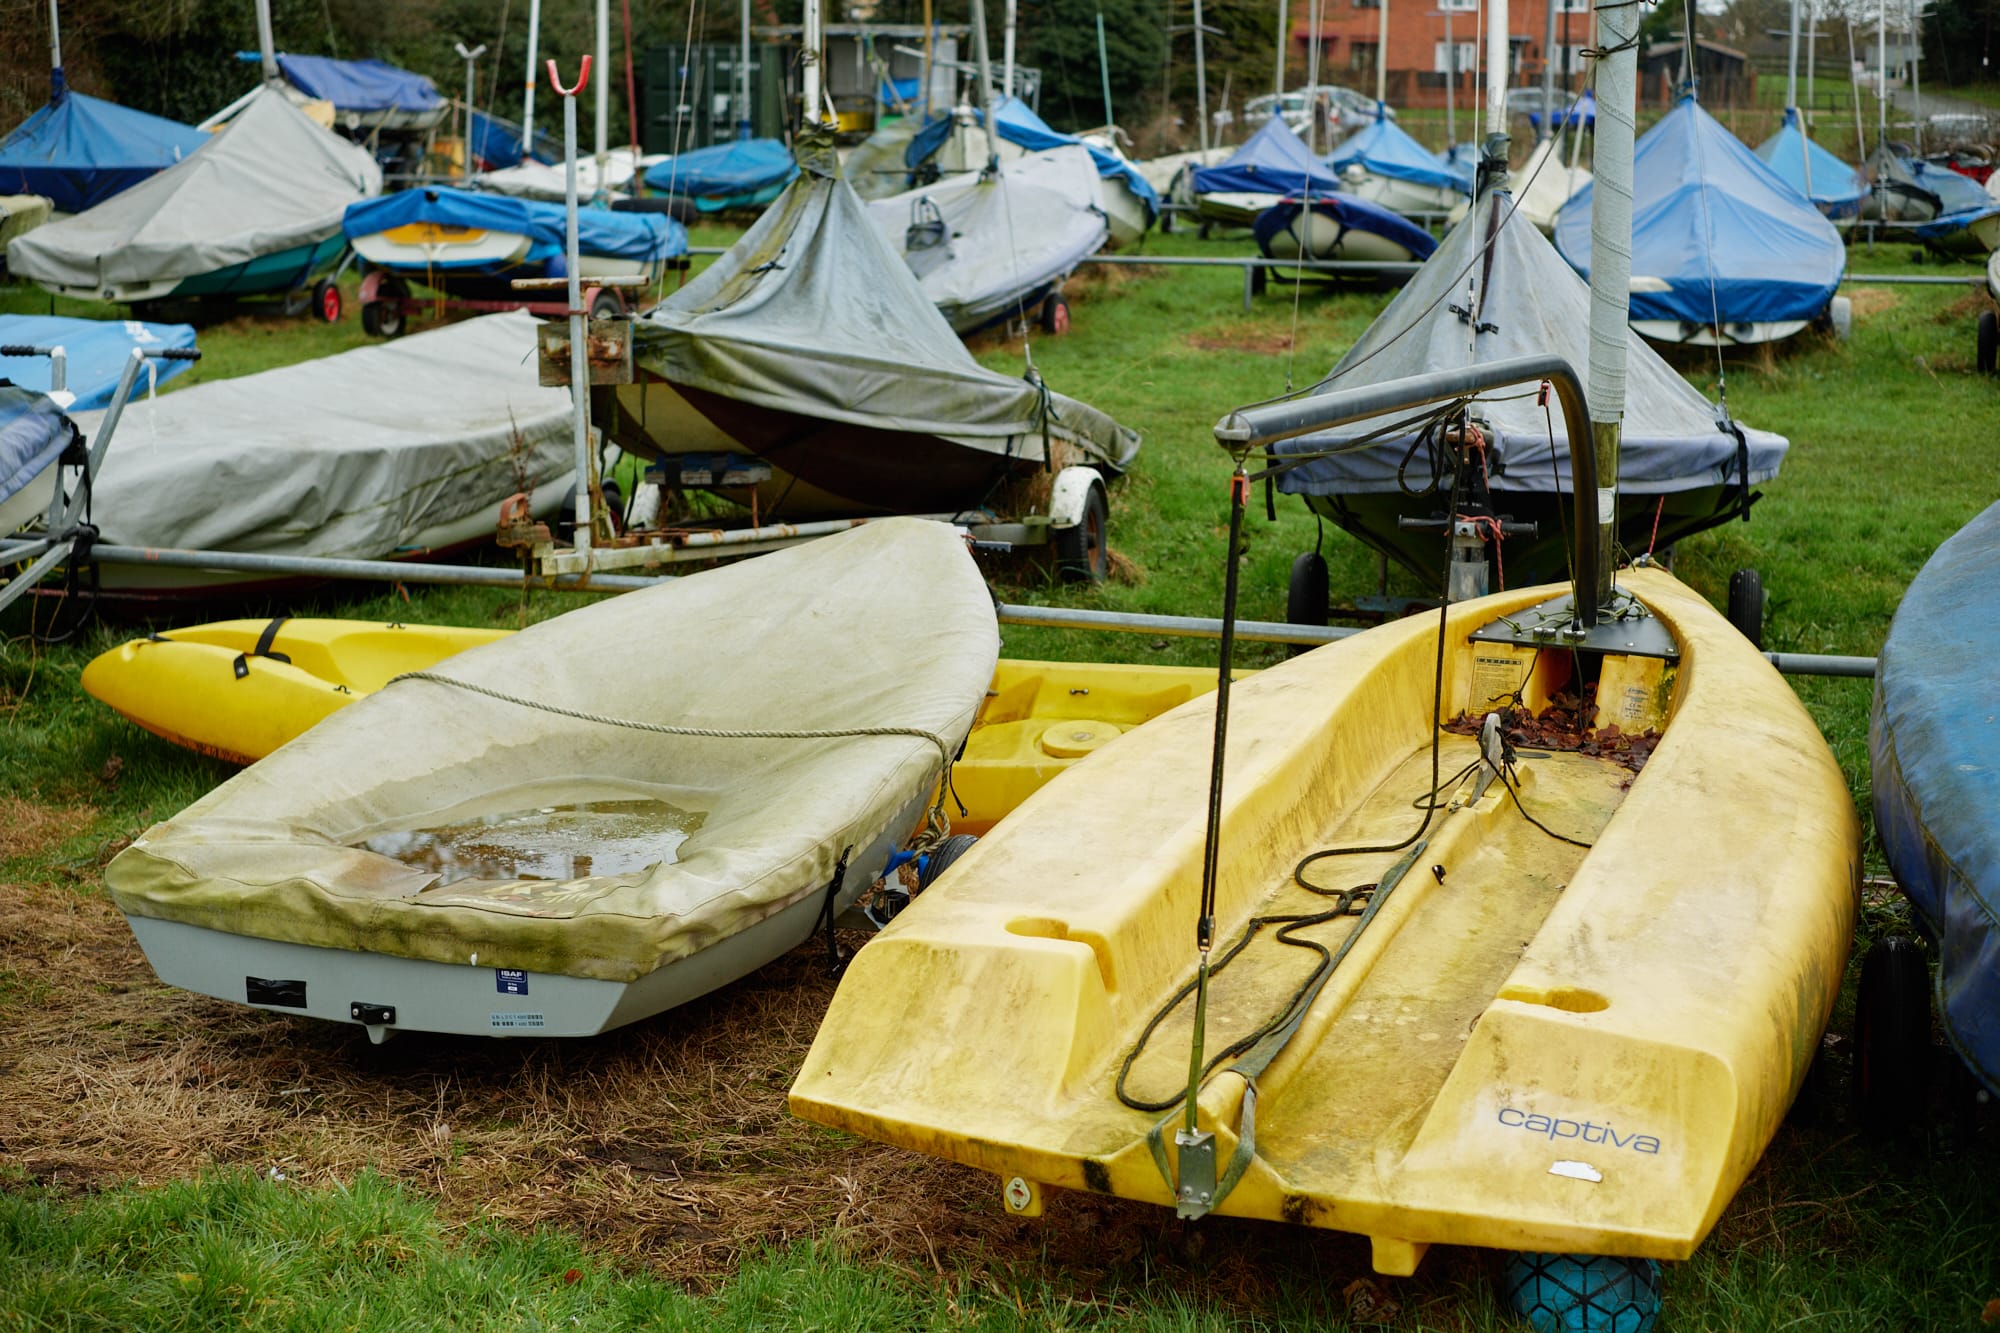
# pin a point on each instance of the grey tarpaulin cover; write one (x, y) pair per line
(810, 639)
(812, 313)
(270, 180)
(351, 455)
(984, 247)
(1528, 302)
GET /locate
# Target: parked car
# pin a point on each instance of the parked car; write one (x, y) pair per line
(1527, 101)
(1346, 108)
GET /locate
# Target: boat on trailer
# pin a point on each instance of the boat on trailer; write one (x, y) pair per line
(34, 434)
(1340, 226)
(606, 815)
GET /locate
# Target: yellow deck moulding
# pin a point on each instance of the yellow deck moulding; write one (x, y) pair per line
(1039, 718)
(1532, 1046)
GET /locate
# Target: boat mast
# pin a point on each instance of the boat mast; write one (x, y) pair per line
(1881, 72)
(1381, 55)
(809, 71)
(603, 63)
(470, 58)
(1854, 86)
(985, 61)
(1200, 80)
(1450, 79)
(1496, 67)
(1792, 100)
(1916, 80)
(1104, 73)
(528, 92)
(1548, 125)
(1278, 73)
(267, 45)
(1007, 54)
(743, 77)
(1610, 269)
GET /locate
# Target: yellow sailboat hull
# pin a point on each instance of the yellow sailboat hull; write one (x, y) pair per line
(1039, 718)
(1532, 1045)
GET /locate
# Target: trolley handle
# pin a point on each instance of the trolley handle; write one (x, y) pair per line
(176, 353)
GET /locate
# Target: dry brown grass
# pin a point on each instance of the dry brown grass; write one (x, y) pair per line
(1867, 301)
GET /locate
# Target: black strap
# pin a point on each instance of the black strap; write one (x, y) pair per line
(834, 962)
(263, 649)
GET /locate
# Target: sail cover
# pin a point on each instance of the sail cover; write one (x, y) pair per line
(1707, 212)
(1386, 149)
(1835, 188)
(1274, 160)
(351, 455)
(95, 352)
(1018, 124)
(1532, 304)
(79, 151)
(267, 182)
(983, 245)
(813, 313)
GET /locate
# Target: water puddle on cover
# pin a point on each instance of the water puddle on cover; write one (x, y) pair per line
(553, 842)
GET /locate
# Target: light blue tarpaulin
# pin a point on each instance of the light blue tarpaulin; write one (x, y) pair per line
(1386, 149)
(33, 434)
(735, 174)
(1706, 209)
(1018, 124)
(360, 85)
(1932, 747)
(95, 352)
(1836, 189)
(1274, 160)
(79, 151)
(644, 236)
(1962, 201)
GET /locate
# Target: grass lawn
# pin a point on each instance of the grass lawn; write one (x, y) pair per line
(175, 1163)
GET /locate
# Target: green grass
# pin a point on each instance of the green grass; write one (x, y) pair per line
(1890, 454)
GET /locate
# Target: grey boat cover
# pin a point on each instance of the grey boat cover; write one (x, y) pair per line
(811, 312)
(351, 455)
(982, 245)
(270, 180)
(1529, 302)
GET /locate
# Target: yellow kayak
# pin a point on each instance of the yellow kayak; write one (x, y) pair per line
(239, 689)
(1565, 1012)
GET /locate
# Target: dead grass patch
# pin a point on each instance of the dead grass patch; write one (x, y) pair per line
(1965, 309)
(27, 829)
(1868, 301)
(1251, 341)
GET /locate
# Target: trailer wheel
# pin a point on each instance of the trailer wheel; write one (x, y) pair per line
(1989, 342)
(326, 303)
(941, 857)
(1306, 597)
(607, 304)
(1746, 605)
(1055, 316)
(1892, 1036)
(1082, 554)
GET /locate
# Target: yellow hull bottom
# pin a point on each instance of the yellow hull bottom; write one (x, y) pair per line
(1039, 718)
(1533, 1045)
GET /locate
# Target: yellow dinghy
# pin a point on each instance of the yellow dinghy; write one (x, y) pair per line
(238, 689)
(1560, 1007)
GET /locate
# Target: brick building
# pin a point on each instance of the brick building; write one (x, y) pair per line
(1419, 58)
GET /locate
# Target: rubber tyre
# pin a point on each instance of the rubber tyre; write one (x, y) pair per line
(607, 304)
(1083, 555)
(1166, 222)
(1260, 281)
(327, 303)
(941, 857)
(1306, 597)
(1055, 316)
(1583, 1293)
(1987, 357)
(1892, 1036)
(1746, 605)
(371, 318)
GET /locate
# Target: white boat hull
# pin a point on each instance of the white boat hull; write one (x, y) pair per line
(1400, 196)
(30, 502)
(1320, 237)
(1705, 335)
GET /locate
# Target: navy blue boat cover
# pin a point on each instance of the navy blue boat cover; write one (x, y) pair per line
(1526, 302)
(1274, 160)
(735, 169)
(360, 85)
(1705, 205)
(1017, 123)
(33, 433)
(1386, 149)
(1837, 189)
(496, 144)
(79, 151)
(646, 236)
(95, 352)
(1931, 747)
(1349, 211)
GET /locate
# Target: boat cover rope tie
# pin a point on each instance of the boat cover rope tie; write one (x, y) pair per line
(241, 666)
(936, 826)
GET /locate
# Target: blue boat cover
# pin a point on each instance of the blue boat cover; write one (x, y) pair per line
(1386, 149)
(1274, 160)
(1582, 112)
(33, 434)
(750, 170)
(1837, 189)
(1352, 212)
(95, 352)
(79, 151)
(360, 85)
(645, 236)
(1017, 123)
(496, 144)
(1771, 254)
(1931, 746)
(1962, 199)
(904, 91)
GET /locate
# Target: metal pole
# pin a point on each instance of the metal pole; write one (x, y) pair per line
(267, 45)
(1498, 60)
(1916, 78)
(465, 166)
(1854, 86)
(1881, 71)
(1792, 60)
(809, 60)
(603, 63)
(1104, 71)
(1201, 79)
(1611, 266)
(1548, 124)
(1278, 75)
(534, 73)
(1450, 80)
(743, 77)
(985, 60)
(1812, 51)
(1382, 54)
(1007, 53)
(579, 362)
(379, 571)
(55, 35)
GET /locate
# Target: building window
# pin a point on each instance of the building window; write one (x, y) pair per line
(1367, 4)
(1361, 55)
(1466, 6)
(1441, 56)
